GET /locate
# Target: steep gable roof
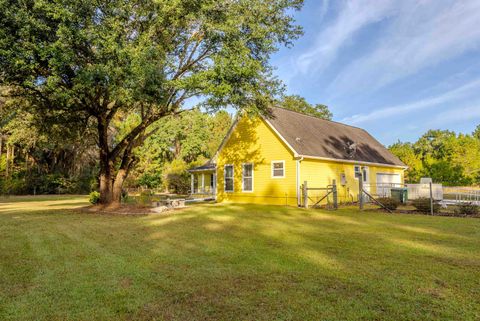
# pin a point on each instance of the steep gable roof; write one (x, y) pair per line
(310, 136)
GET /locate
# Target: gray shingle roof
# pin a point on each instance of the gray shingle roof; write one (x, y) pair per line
(205, 167)
(312, 136)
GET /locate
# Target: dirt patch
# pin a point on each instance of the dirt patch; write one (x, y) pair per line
(124, 209)
(405, 211)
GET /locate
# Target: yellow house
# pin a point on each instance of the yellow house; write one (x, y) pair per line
(266, 160)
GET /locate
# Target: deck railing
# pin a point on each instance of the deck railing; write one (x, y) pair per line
(414, 191)
(461, 194)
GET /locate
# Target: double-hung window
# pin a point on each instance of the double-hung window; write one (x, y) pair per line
(228, 176)
(278, 169)
(247, 177)
(363, 170)
(357, 170)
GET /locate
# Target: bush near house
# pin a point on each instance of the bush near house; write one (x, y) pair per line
(94, 197)
(145, 198)
(423, 205)
(389, 202)
(467, 209)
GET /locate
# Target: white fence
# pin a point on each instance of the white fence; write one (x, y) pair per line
(423, 191)
(414, 191)
(446, 194)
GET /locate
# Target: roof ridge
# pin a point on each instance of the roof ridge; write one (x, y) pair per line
(328, 120)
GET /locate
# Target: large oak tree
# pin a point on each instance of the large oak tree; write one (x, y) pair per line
(88, 60)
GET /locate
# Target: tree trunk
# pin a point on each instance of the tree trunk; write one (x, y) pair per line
(105, 175)
(111, 184)
(117, 186)
(7, 162)
(127, 162)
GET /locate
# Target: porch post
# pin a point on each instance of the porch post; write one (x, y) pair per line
(214, 177)
(192, 180)
(203, 183)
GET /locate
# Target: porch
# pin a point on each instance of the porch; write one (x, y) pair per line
(203, 182)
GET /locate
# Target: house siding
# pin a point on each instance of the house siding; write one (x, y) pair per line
(321, 173)
(253, 141)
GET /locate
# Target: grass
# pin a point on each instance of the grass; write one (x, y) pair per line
(234, 262)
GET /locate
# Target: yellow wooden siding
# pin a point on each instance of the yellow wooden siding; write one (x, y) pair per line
(253, 141)
(321, 173)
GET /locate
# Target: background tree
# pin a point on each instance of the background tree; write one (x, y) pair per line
(446, 157)
(406, 152)
(185, 140)
(298, 103)
(80, 60)
(43, 159)
(476, 132)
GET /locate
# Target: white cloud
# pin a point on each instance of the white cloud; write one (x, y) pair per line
(421, 34)
(353, 16)
(456, 115)
(449, 96)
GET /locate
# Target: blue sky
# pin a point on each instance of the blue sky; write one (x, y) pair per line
(395, 68)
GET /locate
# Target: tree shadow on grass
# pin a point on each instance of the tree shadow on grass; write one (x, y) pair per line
(273, 246)
(230, 262)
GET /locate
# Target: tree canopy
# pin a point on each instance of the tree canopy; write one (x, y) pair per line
(446, 157)
(300, 104)
(90, 62)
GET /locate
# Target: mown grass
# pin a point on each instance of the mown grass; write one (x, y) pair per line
(234, 262)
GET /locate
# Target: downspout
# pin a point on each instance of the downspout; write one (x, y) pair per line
(298, 181)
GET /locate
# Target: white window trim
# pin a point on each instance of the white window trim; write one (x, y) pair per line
(366, 178)
(225, 178)
(355, 171)
(278, 161)
(243, 188)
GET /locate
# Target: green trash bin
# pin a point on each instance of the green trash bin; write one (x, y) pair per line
(399, 194)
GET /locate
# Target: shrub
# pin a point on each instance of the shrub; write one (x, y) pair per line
(467, 208)
(13, 186)
(176, 179)
(94, 197)
(145, 198)
(150, 180)
(124, 197)
(389, 202)
(178, 183)
(423, 205)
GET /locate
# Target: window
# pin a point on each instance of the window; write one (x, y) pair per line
(361, 169)
(247, 177)
(228, 174)
(357, 171)
(278, 169)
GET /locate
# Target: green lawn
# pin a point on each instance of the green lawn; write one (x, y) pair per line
(234, 262)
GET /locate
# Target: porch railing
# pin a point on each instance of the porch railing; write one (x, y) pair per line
(204, 190)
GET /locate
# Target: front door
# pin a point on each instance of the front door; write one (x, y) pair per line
(366, 178)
